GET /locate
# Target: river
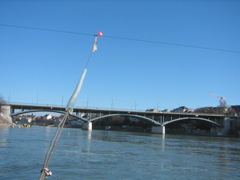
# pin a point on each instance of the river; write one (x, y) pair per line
(102, 154)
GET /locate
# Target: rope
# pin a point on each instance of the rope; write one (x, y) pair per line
(88, 59)
(95, 44)
(45, 171)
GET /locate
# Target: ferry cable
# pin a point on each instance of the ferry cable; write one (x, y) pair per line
(123, 38)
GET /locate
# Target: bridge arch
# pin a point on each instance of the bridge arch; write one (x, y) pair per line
(191, 118)
(153, 122)
(46, 110)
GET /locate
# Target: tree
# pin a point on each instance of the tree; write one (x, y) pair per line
(222, 103)
(2, 102)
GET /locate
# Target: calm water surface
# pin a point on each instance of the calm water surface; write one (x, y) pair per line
(116, 155)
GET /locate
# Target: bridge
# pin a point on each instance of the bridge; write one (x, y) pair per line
(158, 119)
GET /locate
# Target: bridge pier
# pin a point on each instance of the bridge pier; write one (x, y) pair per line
(5, 114)
(158, 129)
(87, 126)
(226, 125)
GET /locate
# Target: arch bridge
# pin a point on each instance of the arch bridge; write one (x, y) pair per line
(93, 114)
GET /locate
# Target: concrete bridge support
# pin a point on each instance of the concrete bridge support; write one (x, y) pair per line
(87, 126)
(158, 129)
(226, 125)
(4, 115)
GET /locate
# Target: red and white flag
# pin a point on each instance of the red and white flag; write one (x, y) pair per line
(94, 48)
(100, 33)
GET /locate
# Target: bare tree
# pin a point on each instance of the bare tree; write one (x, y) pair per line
(2, 102)
(222, 103)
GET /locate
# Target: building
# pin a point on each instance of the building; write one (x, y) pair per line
(25, 118)
(47, 117)
(236, 108)
(152, 110)
(182, 109)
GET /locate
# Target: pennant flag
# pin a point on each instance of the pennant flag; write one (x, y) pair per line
(100, 33)
(94, 48)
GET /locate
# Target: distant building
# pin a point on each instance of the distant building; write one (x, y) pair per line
(47, 117)
(236, 108)
(166, 110)
(181, 109)
(60, 118)
(152, 110)
(26, 119)
(56, 122)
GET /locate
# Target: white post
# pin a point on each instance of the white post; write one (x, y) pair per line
(163, 129)
(87, 126)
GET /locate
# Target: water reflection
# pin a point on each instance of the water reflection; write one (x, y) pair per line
(4, 129)
(4, 132)
(163, 142)
(89, 137)
(49, 131)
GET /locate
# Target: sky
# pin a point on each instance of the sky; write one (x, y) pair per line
(154, 53)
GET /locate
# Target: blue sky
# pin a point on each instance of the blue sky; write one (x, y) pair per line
(44, 66)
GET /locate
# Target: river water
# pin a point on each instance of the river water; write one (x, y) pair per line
(110, 155)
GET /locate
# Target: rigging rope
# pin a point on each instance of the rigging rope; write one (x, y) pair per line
(45, 171)
(88, 59)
